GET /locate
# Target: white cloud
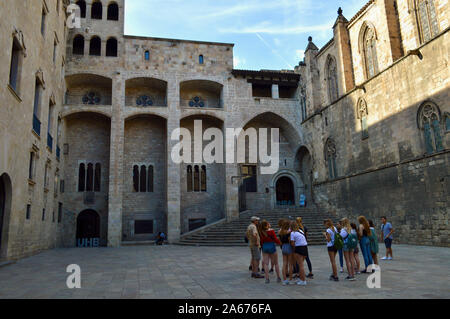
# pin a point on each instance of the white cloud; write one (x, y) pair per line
(238, 63)
(299, 55)
(276, 29)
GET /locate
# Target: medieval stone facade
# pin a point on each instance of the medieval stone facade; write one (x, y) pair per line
(364, 126)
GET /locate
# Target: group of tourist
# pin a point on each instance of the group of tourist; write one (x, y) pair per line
(292, 237)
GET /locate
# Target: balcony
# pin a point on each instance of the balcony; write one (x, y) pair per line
(145, 92)
(49, 142)
(88, 90)
(201, 94)
(89, 99)
(36, 125)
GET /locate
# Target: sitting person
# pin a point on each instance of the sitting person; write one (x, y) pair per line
(160, 238)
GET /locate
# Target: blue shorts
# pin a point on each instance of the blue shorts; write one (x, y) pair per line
(388, 242)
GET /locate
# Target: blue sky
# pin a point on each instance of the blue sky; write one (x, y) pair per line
(268, 34)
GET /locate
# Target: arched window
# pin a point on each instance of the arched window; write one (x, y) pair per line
(362, 116)
(200, 59)
(111, 47)
(81, 177)
(331, 73)
(136, 178)
(95, 46)
(196, 179)
(147, 55)
(90, 178)
(426, 16)
(447, 122)
(189, 178)
(369, 48)
(97, 177)
(113, 11)
(78, 45)
(82, 5)
(143, 179)
(97, 10)
(330, 156)
(150, 179)
(429, 121)
(203, 179)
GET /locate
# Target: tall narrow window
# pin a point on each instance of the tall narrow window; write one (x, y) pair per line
(331, 72)
(78, 45)
(51, 109)
(97, 10)
(113, 12)
(147, 55)
(43, 18)
(447, 122)
(203, 179)
(196, 179)
(59, 212)
(46, 176)
(370, 52)
(82, 5)
(15, 66)
(28, 213)
(200, 59)
(150, 179)
(136, 178)
(189, 178)
(330, 156)
(97, 177)
(95, 46)
(81, 177)
(90, 178)
(429, 120)
(303, 104)
(428, 24)
(55, 46)
(143, 181)
(43, 214)
(31, 166)
(362, 116)
(111, 47)
(37, 107)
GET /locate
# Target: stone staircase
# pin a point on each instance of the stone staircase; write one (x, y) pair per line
(232, 233)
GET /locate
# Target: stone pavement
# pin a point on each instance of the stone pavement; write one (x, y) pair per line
(213, 272)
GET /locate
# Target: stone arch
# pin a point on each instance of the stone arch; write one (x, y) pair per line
(78, 45)
(112, 47)
(95, 46)
(97, 10)
(5, 213)
(201, 94)
(113, 11)
(429, 121)
(297, 185)
(88, 225)
(88, 89)
(367, 48)
(146, 92)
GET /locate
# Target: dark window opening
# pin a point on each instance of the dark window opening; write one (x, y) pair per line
(113, 12)
(143, 179)
(95, 46)
(111, 47)
(147, 55)
(97, 177)
(82, 5)
(31, 167)
(90, 178)
(81, 177)
(97, 10)
(287, 92)
(28, 213)
(78, 45)
(43, 214)
(196, 223)
(59, 212)
(15, 64)
(201, 59)
(261, 90)
(143, 227)
(250, 182)
(44, 14)
(196, 179)
(203, 179)
(136, 178)
(189, 178)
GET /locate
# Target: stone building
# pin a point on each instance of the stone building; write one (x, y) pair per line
(363, 122)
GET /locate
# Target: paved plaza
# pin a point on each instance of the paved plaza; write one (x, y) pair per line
(213, 272)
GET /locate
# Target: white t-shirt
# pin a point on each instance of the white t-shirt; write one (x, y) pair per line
(344, 233)
(331, 242)
(299, 239)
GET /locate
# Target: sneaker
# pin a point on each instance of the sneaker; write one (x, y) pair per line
(258, 276)
(336, 279)
(271, 271)
(352, 278)
(278, 280)
(331, 277)
(342, 269)
(301, 283)
(358, 273)
(384, 258)
(389, 258)
(310, 275)
(267, 281)
(286, 282)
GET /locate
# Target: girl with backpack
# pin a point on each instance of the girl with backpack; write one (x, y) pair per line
(356, 250)
(350, 241)
(364, 233)
(308, 261)
(300, 245)
(287, 250)
(269, 242)
(330, 236)
(373, 243)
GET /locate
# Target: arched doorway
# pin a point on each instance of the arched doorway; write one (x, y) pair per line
(5, 205)
(88, 225)
(285, 192)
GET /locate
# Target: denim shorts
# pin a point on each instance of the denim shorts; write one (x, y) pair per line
(388, 242)
(287, 249)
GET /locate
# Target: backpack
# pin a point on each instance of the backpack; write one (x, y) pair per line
(352, 241)
(338, 241)
(373, 242)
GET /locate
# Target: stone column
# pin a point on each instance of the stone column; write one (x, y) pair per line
(173, 169)
(231, 192)
(116, 163)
